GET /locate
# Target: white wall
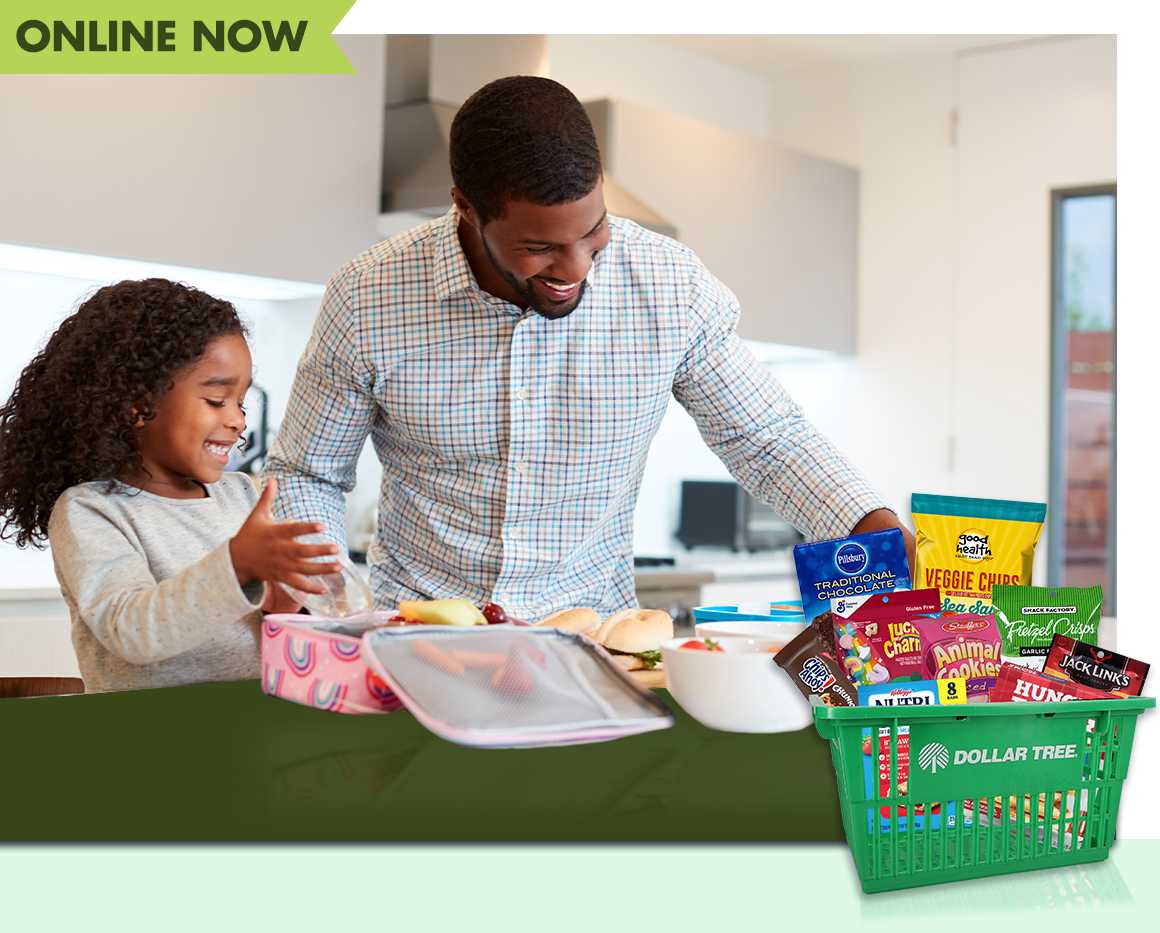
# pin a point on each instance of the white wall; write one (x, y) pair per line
(948, 392)
(274, 175)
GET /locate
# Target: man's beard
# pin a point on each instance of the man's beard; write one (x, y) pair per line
(553, 310)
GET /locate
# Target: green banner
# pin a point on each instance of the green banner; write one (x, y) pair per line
(171, 37)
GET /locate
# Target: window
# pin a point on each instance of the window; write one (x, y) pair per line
(1082, 507)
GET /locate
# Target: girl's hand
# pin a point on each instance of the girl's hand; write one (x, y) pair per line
(265, 549)
(279, 601)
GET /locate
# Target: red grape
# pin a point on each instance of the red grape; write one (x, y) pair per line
(494, 614)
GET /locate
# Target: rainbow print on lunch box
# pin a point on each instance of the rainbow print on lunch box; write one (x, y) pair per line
(318, 662)
(966, 546)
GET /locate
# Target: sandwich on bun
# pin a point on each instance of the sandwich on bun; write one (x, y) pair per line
(633, 637)
(584, 621)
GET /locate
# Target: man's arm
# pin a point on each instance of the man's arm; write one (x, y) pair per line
(327, 420)
(749, 420)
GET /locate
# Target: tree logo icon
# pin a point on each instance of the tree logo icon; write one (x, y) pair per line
(933, 756)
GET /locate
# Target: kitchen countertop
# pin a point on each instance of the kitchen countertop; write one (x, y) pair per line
(227, 762)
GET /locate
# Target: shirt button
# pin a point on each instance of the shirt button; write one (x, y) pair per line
(514, 535)
(521, 394)
(520, 466)
(503, 596)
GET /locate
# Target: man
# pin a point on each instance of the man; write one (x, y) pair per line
(512, 361)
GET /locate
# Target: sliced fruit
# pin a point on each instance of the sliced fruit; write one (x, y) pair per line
(442, 612)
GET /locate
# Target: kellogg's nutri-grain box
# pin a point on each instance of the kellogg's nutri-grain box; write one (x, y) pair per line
(966, 546)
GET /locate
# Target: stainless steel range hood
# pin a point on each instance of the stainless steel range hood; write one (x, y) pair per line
(417, 127)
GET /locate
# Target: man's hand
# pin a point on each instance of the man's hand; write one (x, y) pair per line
(882, 519)
(265, 549)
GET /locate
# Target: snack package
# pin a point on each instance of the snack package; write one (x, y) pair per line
(869, 563)
(876, 767)
(1030, 616)
(946, 692)
(966, 546)
(961, 646)
(874, 638)
(1090, 666)
(1018, 684)
(811, 666)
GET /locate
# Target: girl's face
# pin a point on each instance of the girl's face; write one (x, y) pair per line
(189, 442)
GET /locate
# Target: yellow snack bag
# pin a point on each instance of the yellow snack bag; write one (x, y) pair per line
(966, 546)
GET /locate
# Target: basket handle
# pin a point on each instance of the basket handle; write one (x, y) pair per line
(1103, 719)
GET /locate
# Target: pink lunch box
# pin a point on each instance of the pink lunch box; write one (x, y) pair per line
(318, 662)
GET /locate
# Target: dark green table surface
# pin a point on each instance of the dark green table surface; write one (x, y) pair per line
(227, 762)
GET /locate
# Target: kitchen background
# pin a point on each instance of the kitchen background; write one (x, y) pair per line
(880, 204)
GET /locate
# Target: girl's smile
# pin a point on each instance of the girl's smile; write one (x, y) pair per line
(187, 444)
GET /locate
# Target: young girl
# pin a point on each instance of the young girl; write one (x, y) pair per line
(112, 447)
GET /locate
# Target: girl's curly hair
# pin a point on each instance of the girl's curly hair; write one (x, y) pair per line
(72, 417)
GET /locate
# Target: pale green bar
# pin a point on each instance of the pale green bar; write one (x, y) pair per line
(543, 887)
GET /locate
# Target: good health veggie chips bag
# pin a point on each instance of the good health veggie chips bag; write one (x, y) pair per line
(966, 546)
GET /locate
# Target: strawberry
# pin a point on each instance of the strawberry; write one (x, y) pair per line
(707, 645)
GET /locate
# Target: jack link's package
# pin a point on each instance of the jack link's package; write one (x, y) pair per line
(866, 563)
(1115, 674)
(874, 637)
(1030, 616)
(966, 546)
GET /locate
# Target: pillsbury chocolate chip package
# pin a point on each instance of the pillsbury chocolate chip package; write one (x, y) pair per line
(868, 563)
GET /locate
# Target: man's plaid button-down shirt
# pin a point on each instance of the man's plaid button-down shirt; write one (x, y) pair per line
(512, 445)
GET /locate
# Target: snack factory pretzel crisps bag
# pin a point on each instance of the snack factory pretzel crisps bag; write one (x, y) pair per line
(966, 546)
(1030, 616)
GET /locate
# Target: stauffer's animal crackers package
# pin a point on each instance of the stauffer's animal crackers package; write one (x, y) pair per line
(866, 563)
(966, 546)
(962, 646)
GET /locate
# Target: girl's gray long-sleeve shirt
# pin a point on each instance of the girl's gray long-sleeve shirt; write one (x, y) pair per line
(151, 588)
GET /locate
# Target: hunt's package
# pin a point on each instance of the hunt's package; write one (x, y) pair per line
(868, 563)
(1090, 666)
(966, 546)
(875, 639)
(1030, 616)
(1018, 684)
(961, 646)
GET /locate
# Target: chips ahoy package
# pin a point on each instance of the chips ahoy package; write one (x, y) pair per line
(867, 563)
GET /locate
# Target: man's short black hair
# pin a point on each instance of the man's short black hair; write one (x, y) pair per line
(522, 139)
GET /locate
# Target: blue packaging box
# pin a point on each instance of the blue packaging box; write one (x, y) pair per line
(867, 563)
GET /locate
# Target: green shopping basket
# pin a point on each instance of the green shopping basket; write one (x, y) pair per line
(932, 794)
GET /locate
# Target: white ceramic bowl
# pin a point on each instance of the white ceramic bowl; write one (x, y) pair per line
(737, 689)
(785, 632)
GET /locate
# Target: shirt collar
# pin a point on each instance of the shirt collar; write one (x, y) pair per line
(453, 272)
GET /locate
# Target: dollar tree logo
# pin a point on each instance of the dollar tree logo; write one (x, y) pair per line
(933, 756)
